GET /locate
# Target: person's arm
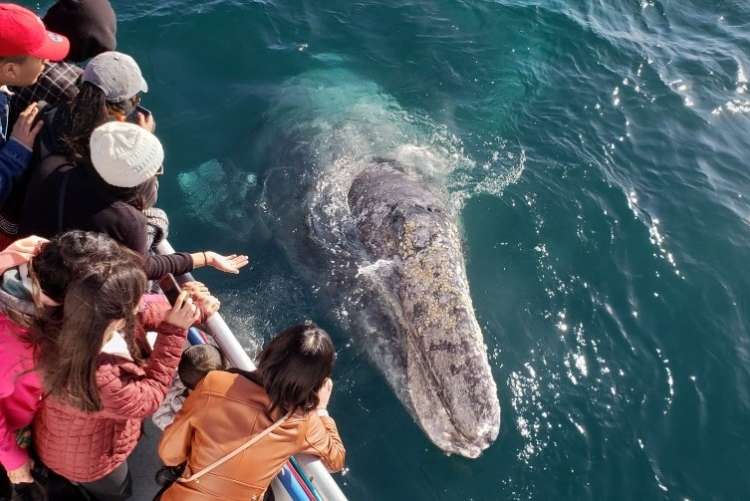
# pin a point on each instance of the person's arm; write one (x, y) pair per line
(156, 266)
(14, 158)
(174, 447)
(124, 395)
(15, 154)
(321, 436)
(153, 310)
(322, 439)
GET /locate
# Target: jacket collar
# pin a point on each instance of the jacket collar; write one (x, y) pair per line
(117, 346)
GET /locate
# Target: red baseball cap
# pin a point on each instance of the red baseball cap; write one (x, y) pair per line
(22, 33)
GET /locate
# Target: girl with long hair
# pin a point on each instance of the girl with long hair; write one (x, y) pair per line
(101, 378)
(277, 411)
(34, 277)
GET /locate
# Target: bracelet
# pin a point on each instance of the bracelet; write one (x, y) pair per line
(205, 259)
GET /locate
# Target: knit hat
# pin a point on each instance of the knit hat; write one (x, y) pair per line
(90, 25)
(124, 154)
(116, 74)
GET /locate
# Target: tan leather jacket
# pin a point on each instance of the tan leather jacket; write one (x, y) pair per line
(223, 412)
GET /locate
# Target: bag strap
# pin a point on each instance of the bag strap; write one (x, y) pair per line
(195, 476)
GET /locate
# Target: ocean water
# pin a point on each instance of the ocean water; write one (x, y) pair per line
(596, 155)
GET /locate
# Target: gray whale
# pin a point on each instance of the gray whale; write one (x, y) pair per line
(352, 190)
(430, 335)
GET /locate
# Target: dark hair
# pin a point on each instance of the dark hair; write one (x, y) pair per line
(67, 349)
(293, 366)
(89, 110)
(196, 362)
(70, 254)
(141, 197)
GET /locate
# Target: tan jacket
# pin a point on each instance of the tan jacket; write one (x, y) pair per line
(223, 412)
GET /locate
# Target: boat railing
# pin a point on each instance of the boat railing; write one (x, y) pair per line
(236, 355)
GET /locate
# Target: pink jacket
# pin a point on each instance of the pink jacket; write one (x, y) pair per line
(20, 390)
(85, 447)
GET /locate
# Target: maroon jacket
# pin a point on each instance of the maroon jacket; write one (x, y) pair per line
(85, 447)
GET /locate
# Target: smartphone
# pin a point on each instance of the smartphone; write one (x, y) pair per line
(172, 290)
(133, 117)
(170, 287)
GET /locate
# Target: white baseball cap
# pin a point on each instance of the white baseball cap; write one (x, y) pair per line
(124, 154)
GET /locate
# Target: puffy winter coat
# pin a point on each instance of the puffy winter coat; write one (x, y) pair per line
(20, 390)
(86, 446)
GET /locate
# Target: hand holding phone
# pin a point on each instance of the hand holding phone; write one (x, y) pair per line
(142, 116)
(183, 313)
(170, 288)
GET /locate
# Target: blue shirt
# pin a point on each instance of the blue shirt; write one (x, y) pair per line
(14, 157)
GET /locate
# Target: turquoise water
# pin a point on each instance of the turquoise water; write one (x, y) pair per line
(596, 153)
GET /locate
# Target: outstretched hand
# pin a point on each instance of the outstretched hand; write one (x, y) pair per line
(227, 264)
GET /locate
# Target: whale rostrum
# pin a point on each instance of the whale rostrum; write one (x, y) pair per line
(426, 337)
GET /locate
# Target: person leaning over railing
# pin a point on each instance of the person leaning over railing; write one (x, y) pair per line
(109, 196)
(25, 47)
(34, 277)
(100, 377)
(90, 26)
(237, 429)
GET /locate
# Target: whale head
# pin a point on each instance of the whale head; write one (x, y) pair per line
(429, 343)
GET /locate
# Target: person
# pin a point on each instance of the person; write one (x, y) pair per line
(288, 394)
(25, 289)
(111, 83)
(25, 46)
(91, 28)
(99, 378)
(126, 160)
(195, 363)
(111, 87)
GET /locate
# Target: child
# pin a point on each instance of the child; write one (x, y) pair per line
(195, 363)
(91, 27)
(25, 47)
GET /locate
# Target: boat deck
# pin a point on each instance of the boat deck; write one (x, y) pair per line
(144, 463)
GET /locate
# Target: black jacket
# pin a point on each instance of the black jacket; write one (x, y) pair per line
(62, 197)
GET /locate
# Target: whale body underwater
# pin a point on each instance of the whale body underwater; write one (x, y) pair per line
(377, 239)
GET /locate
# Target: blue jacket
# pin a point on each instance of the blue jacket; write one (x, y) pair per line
(14, 157)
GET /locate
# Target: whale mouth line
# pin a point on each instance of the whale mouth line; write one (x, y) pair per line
(455, 439)
(427, 372)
